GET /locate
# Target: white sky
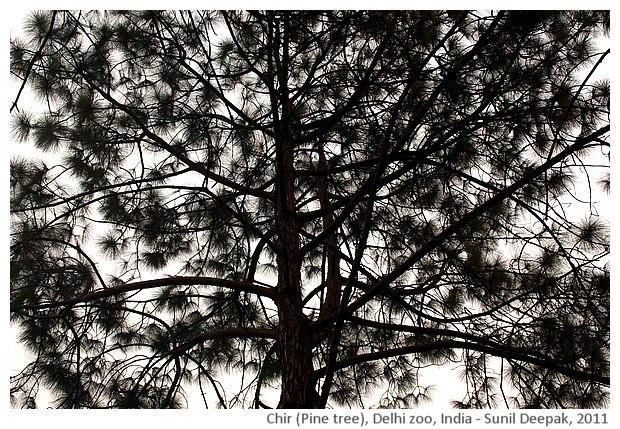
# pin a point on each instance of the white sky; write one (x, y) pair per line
(444, 377)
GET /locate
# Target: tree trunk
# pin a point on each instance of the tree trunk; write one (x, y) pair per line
(296, 355)
(294, 333)
(333, 287)
(295, 337)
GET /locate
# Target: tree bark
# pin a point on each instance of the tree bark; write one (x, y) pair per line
(296, 355)
(294, 333)
(331, 303)
(295, 337)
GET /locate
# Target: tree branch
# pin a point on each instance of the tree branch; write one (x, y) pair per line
(149, 284)
(503, 352)
(238, 332)
(35, 57)
(507, 192)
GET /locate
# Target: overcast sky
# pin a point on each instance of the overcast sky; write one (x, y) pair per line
(444, 378)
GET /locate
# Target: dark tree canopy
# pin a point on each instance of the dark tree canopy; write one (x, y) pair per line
(320, 203)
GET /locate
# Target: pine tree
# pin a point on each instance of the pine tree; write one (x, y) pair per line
(321, 203)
